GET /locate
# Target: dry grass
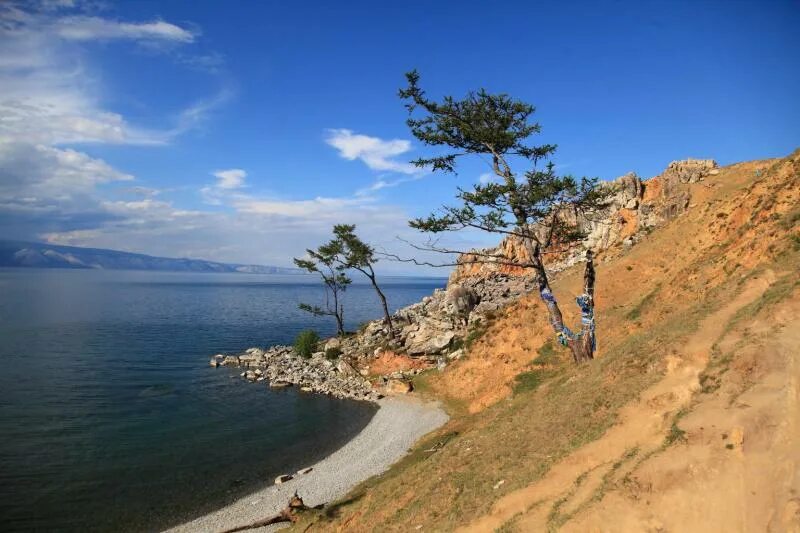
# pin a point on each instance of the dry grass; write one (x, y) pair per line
(649, 302)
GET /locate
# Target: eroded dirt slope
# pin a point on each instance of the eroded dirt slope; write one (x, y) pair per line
(686, 421)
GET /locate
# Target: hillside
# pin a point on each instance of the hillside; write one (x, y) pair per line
(40, 255)
(687, 420)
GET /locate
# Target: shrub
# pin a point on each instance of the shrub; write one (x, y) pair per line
(547, 354)
(528, 381)
(333, 353)
(306, 342)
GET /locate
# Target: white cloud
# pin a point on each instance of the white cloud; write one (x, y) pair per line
(386, 184)
(47, 173)
(230, 179)
(487, 177)
(50, 93)
(374, 152)
(83, 28)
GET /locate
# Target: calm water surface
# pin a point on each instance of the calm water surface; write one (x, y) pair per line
(111, 418)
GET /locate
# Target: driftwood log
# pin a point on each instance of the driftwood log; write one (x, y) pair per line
(288, 514)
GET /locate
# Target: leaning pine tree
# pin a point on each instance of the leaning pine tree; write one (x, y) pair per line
(324, 261)
(534, 204)
(358, 255)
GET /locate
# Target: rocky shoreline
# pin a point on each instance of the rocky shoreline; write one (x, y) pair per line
(281, 366)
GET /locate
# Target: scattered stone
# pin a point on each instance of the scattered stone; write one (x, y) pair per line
(456, 354)
(333, 342)
(399, 386)
(346, 368)
(230, 360)
(498, 484)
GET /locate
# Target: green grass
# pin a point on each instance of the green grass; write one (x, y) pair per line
(547, 354)
(790, 219)
(529, 381)
(676, 434)
(477, 331)
(636, 312)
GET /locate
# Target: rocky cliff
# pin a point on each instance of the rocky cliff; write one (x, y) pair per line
(636, 207)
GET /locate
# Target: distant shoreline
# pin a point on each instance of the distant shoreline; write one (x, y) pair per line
(313, 279)
(397, 425)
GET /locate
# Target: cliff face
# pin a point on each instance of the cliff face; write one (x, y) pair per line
(636, 207)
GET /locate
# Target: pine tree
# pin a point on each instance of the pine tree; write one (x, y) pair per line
(534, 204)
(324, 261)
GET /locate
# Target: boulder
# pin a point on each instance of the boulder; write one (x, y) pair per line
(455, 355)
(462, 300)
(333, 343)
(230, 360)
(346, 369)
(428, 340)
(398, 386)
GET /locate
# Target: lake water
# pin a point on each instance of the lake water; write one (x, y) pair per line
(111, 418)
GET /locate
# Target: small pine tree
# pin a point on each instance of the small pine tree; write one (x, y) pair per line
(306, 343)
(323, 261)
(358, 255)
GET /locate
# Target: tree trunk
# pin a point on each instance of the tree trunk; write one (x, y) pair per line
(586, 304)
(581, 345)
(338, 312)
(386, 316)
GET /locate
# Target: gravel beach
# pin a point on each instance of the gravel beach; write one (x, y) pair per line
(398, 423)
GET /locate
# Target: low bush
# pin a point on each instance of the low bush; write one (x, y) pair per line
(306, 343)
(333, 353)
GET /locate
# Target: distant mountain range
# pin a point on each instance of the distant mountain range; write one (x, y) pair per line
(39, 255)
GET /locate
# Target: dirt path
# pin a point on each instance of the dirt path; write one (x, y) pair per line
(622, 467)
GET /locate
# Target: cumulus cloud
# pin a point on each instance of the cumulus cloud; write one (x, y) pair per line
(230, 179)
(47, 173)
(374, 152)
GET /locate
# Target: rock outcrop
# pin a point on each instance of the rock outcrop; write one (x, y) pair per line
(635, 207)
(282, 367)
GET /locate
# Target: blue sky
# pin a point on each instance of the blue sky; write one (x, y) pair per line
(241, 131)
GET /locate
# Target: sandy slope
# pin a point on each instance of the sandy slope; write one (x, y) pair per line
(686, 488)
